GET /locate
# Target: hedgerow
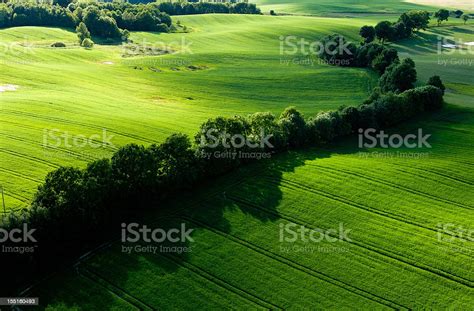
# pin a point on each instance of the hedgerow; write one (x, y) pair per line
(78, 206)
(109, 19)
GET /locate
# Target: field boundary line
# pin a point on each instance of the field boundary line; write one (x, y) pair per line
(298, 186)
(368, 209)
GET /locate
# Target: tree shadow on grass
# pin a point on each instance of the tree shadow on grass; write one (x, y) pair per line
(253, 190)
(423, 42)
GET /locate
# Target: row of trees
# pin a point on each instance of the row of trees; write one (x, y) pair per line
(443, 15)
(75, 207)
(20, 14)
(108, 20)
(409, 22)
(187, 8)
(71, 198)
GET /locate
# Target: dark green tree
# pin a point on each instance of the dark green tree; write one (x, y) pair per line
(384, 31)
(441, 15)
(398, 77)
(436, 81)
(294, 125)
(82, 32)
(368, 33)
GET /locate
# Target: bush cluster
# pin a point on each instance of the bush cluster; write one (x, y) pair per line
(338, 51)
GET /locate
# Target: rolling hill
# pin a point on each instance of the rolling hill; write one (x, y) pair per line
(393, 202)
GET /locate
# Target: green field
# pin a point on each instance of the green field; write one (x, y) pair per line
(240, 71)
(328, 7)
(393, 202)
(83, 92)
(358, 7)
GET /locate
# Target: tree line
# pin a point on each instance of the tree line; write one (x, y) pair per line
(110, 19)
(408, 23)
(107, 20)
(74, 209)
(194, 7)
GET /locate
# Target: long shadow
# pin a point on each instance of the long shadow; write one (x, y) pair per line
(423, 42)
(205, 208)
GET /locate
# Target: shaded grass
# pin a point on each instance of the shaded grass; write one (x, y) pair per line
(393, 206)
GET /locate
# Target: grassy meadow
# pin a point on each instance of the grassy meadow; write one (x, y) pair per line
(392, 201)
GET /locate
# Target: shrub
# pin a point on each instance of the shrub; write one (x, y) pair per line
(338, 51)
(175, 162)
(429, 97)
(350, 115)
(220, 136)
(458, 13)
(133, 171)
(62, 195)
(82, 33)
(388, 110)
(367, 116)
(368, 33)
(5, 15)
(436, 81)
(58, 45)
(100, 24)
(263, 124)
(415, 20)
(87, 43)
(326, 126)
(367, 53)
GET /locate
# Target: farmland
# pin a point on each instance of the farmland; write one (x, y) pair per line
(393, 202)
(241, 73)
(244, 70)
(327, 7)
(357, 8)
